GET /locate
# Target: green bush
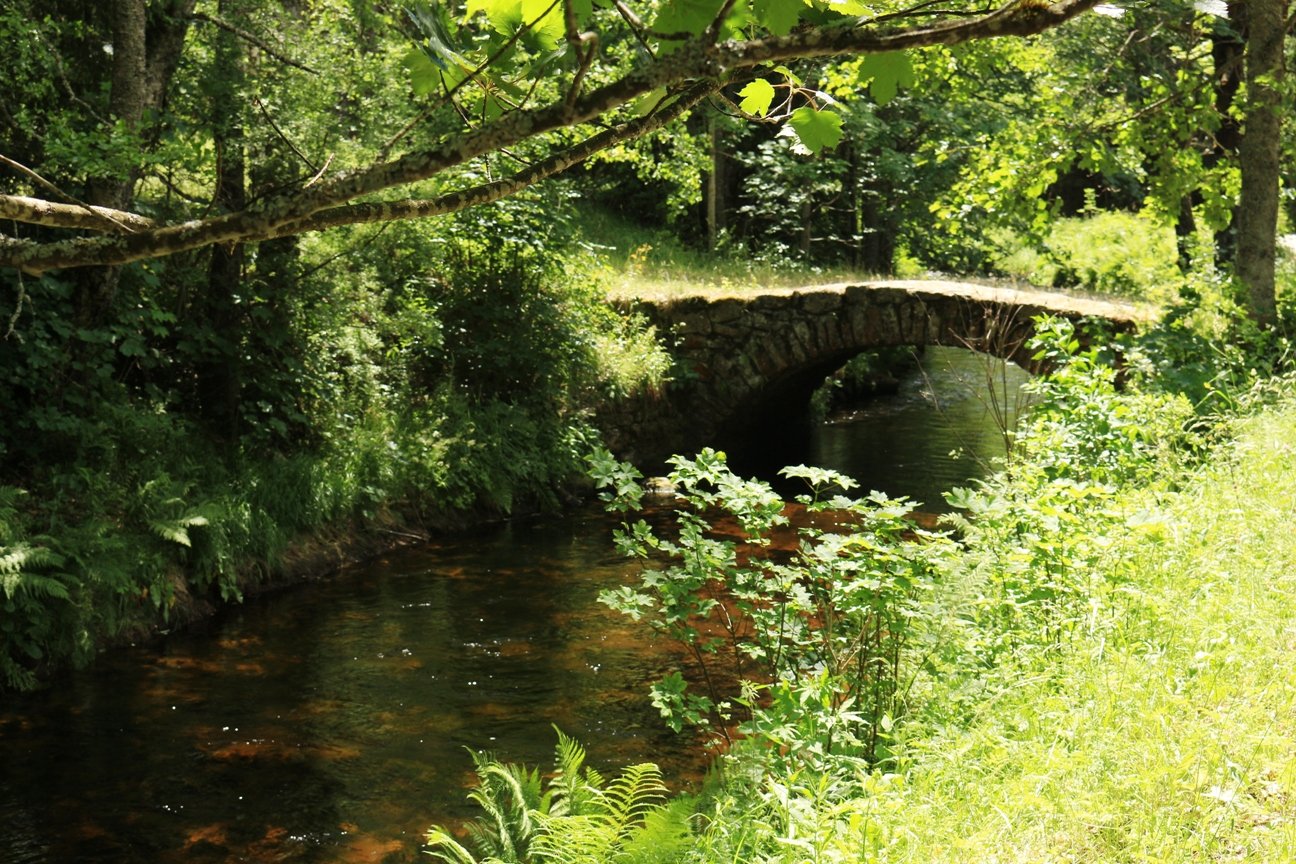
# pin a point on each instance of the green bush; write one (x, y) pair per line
(1118, 253)
(809, 654)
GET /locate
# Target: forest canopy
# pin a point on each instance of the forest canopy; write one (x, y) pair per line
(110, 140)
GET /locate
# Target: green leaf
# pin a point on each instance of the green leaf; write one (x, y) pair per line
(757, 97)
(647, 103)
(779, 16)
(685, 16)
(885, 74)
(816, 129)
(434, 25)
(544, 16)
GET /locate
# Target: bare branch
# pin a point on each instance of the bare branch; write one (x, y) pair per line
(101, 218)
(282, 137)
(18, 307)
(637, 26)
(320, 173)
(37, 211)
(713, 29)
(254, 39)
(485, 193)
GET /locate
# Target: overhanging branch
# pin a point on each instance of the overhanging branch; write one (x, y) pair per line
(695, 61)
(38, 211)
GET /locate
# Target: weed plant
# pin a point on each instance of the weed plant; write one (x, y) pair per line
(1098, 675)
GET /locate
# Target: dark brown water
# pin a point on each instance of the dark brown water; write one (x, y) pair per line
(328, 723)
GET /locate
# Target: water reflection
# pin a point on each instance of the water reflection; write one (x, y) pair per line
(939, 431)
(328, 723)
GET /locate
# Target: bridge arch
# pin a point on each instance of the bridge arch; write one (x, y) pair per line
(736, 355)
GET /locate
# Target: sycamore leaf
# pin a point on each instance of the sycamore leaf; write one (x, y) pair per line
(757, 97)
(432, 23)
(848, 7)
(647, 103)
(508, 16)
(787, 73)
(886, 73)
(779, 16)
(694, 16)
(425, 76)
(546, 18)
(816, 129)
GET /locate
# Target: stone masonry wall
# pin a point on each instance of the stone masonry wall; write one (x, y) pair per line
(732, 354)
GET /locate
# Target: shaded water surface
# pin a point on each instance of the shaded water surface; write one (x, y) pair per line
(328, 723)
(942, 429)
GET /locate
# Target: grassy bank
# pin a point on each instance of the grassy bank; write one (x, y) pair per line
(1162, 730)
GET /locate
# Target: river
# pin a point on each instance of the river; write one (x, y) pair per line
(330, 722)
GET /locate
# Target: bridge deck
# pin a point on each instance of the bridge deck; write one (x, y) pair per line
(1057, 301)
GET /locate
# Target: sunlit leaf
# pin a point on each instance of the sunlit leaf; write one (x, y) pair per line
(886, 73)
(693, 17)
(778, 16)
(757, 97)
(432, 23)
(425, 76)
(816, 129)
(647, 103)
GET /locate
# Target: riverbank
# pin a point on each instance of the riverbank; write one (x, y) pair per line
(1113, 681)
(1162, 726)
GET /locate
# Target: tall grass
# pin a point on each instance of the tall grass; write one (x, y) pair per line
(653, 263)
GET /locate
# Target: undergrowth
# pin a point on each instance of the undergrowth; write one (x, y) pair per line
(404, 384)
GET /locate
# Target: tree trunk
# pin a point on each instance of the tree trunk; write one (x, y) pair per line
(1228, 47)
(1185, 233)
(96, 287)
(219, 376)
(1259, 157)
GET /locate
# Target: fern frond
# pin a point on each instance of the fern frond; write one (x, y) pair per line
(17, 576)
(445, 847)
(23, 556)
(629, 797)
(571, 792)
(509, 795)
(585, 839)
(177, 530)
(666, 835)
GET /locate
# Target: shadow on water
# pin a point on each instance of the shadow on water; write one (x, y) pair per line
(329, 723)
(939, 431)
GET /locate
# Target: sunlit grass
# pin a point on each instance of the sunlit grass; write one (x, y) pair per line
(653, 264)
(1169, 735)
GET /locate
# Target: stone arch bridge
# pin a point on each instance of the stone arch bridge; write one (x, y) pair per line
(738, 355)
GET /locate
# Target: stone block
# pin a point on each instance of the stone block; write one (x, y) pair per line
(819, 302)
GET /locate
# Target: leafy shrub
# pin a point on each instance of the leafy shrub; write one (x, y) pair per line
(1106, 252)
(36, 596)
(809, 654)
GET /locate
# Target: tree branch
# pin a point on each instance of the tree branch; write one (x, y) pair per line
(37, 211)
(694, 61)
(255, 40)
(100, 218)
(486, 193)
